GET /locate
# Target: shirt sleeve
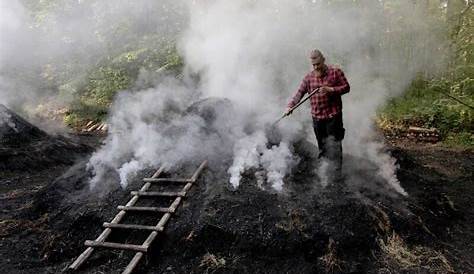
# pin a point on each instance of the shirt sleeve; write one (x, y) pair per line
(299, 93)
(342, 84)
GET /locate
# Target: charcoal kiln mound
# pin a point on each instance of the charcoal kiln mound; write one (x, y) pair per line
(305, 229)
(359, 225)
(23, 146)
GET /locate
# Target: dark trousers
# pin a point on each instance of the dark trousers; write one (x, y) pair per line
(329, 134)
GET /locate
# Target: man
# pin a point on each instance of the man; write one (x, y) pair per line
(326, 108)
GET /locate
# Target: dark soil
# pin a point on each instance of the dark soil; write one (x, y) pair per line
(23, 146)
(356, 226)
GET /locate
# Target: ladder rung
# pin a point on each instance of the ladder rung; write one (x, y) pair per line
(146, 208)
(116, 246)
(156, 193)
(132, 226)
(170, 180)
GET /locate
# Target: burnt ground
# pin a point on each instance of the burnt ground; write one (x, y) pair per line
(307, 230)
(48, 212)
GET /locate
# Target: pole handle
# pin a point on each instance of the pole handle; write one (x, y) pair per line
(297, 105)
(305, 99)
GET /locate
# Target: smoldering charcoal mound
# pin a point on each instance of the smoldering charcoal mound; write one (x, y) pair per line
(24, 146)
(252, 229)
(307, 229)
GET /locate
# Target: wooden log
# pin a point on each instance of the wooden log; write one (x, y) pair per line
(146, 208)
(93, 127)
(173, 206)
(117, 245)
(159, 193)
(132, 226)
(422, 130)
(198, 171)
(133, 263)
(89, 124)
(187, 187)
(167, 180)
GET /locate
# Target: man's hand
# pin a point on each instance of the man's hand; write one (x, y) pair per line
(288, 111)
(326, 89)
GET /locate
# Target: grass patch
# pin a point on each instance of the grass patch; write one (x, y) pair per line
(397, 255)
(426, 104)
(94, 95)
(463, 139)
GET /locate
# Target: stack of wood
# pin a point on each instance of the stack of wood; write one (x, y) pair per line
(423, 134)
(93, 126)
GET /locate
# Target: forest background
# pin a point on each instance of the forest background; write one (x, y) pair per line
(130, 53)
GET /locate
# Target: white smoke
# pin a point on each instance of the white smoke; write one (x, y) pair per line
(251, 152)
(387, 166)
(253, 53)
(48, 47)
(247, 152)
(323, 173)
(5, 119)
(278, 161)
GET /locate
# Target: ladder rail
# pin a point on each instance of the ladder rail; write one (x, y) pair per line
(115, 223)
(103, 236)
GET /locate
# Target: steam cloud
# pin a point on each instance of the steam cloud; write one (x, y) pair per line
(42, 44)
(254, 54)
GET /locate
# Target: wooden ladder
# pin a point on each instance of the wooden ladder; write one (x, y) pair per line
(100, 242)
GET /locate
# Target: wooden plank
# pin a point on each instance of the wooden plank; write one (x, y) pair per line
(422, 130)
(162, 223)
(158, 172)
(187, 187)
(159, 193)
(82, 258)
(88, 252)
(198, 171)
(146, 208)
(166, 180)
(132, 226)
(133, 263)
(117, 245)
(175, 204)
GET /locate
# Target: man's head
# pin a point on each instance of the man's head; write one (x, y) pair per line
(317, 60)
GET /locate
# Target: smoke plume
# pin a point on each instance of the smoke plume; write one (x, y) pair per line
(251, 55)
(48, 48)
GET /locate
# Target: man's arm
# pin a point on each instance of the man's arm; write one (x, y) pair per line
(342, 84)
(299, 94)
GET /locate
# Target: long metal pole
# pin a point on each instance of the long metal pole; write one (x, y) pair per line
(297, 105)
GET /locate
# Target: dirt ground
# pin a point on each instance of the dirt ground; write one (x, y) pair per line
(47, 214)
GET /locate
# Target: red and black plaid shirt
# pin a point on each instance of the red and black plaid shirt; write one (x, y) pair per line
(324, 105)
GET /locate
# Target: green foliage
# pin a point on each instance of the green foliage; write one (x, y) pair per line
(462, 33)
(426, 103)
(81, 112)
(94, 100)
(72, 119)
(119, 72)
(463, 139)
(103, 84)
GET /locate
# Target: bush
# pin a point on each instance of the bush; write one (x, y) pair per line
(427, 103)
(117, 73)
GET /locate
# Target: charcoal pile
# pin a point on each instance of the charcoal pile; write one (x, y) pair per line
(24, 146)
(306, 229)
(356, 225)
